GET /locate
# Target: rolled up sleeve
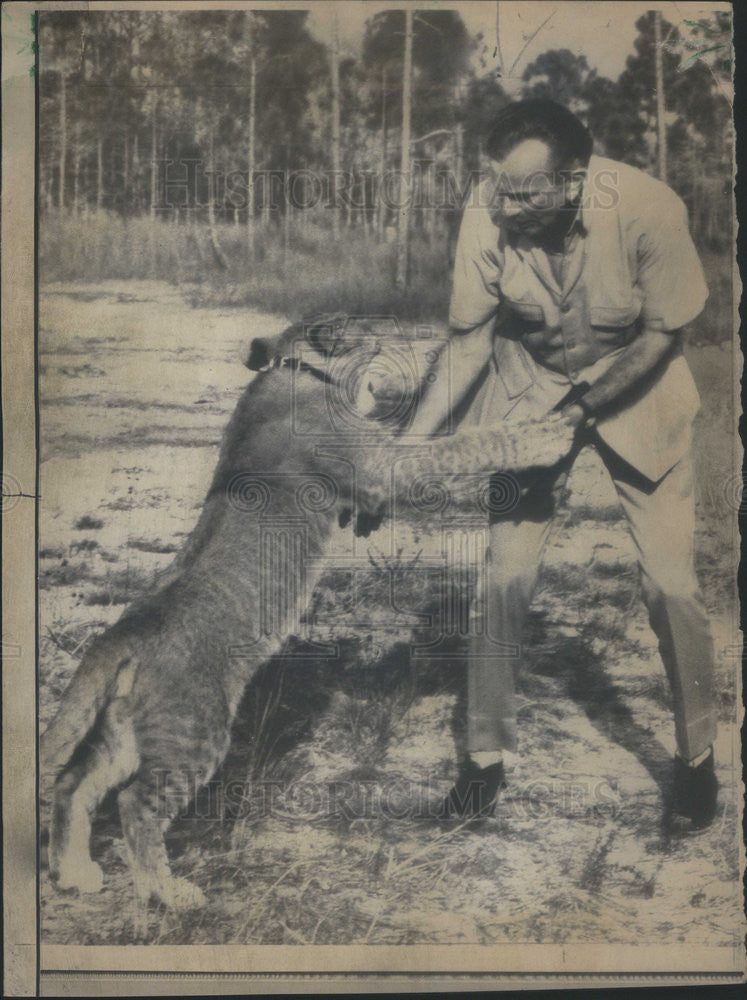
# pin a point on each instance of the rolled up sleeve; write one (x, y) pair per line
(670, 277)
(475, 292)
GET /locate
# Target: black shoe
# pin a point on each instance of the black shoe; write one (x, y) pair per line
(474, 793)
(695, 792)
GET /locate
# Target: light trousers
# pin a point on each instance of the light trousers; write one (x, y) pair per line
(661, 519)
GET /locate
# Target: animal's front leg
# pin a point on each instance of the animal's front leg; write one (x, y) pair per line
(371, 498)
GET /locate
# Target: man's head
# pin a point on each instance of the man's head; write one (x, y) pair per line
(538, 152)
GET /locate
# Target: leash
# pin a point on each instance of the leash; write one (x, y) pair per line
(295, 364)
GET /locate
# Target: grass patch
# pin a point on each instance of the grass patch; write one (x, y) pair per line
(317, 275)
(101, 246)
(82, 371)
(88, 523)
(152, 545)
(304, 276)
(64, 574)
(85, 545)
(71, 637)
(120, 587)
(52, 552)
(716, 323)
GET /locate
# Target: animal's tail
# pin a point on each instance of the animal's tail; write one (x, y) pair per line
(102, 674)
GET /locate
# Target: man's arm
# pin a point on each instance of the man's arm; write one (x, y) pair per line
(637, 360)
(461, 360)
(673, 291)
(475, 299)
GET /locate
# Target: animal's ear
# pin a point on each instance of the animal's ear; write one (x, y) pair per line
(326, 333)
(259, 355)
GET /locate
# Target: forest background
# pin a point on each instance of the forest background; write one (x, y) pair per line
(248, 161)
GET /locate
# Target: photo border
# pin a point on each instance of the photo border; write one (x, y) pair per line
(30, 967)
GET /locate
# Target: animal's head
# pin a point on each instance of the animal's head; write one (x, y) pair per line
(365, 362)
(358, 378)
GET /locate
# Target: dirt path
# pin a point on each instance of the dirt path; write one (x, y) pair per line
(136, 388)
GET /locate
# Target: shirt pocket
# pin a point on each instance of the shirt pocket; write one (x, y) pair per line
(614, 315)
(611, 294)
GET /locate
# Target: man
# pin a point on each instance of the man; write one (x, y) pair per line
(573, 277)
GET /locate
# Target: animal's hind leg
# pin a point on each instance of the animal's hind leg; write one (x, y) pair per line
(77, 794)
(146, 808)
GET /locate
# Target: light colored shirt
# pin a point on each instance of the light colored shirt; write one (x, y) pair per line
(628, 262)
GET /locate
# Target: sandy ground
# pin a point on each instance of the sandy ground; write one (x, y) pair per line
(135, 390)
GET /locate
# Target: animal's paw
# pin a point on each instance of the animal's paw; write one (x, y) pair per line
(372, 499)
(366, 522)
(367, 514)
(181, 894)
(84, 876)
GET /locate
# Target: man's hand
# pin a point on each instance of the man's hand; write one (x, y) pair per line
(574, 414)
(571, 416)
(636, 361)
(572, 408)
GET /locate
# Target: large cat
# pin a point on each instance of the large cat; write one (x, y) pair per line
(150, 707)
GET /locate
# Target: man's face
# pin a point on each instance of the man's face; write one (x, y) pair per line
(529, 194)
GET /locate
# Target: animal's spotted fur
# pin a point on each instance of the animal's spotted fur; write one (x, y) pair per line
(153, 698)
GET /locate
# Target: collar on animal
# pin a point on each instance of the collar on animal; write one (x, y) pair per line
(299, 364)
(318, 371)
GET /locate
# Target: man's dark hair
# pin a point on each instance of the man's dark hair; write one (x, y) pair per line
(568, 138)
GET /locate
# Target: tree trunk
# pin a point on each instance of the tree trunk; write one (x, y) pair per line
(250, 227)
(404, 184)
(459, 155)
(126, 172)
(154, 161)
(99, 172)
(286, 216)
(220, 257)
(63, 140)
(335, 124)
(113, 168)
(49, 180)
(381, 208)
(499, 70)
(266, 198)
(365, 216)
(429, 193)
(76, 171)
(136, 176)
(661, 124)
